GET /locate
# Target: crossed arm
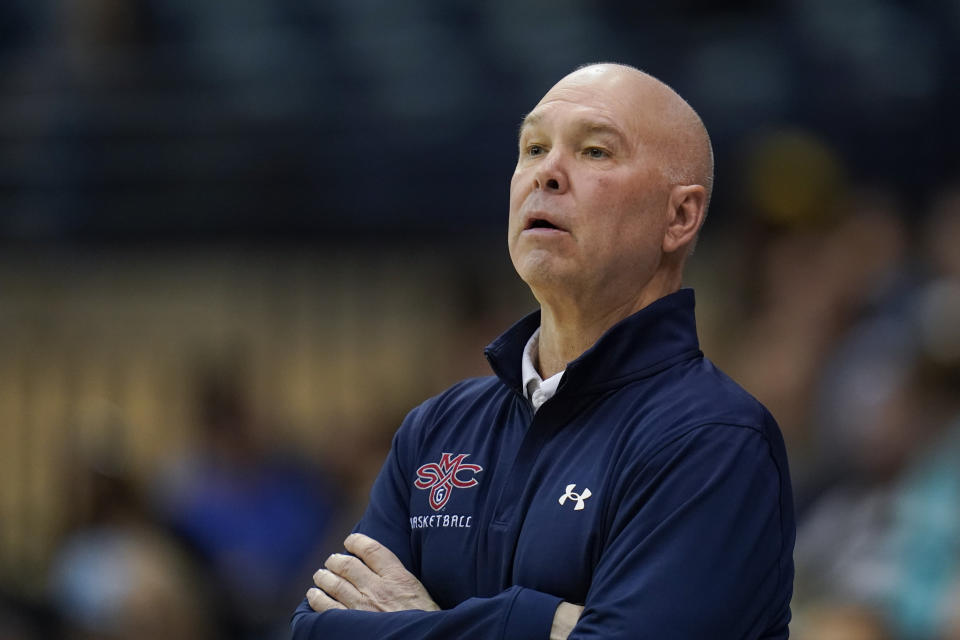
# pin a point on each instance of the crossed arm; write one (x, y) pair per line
(374, 579)
(689, 554)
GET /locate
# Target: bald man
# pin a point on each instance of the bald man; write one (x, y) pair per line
(608, 481)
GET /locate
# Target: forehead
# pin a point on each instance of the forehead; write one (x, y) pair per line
(589, 100)
(575, 117)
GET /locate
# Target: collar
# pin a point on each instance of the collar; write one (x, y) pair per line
(536, 389)
(657, 336)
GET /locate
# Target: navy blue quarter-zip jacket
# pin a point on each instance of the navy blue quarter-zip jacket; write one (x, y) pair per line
(651, 489)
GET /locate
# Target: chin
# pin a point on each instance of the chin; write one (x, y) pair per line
(544, 274)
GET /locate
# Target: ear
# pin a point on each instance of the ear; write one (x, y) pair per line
(685, 213)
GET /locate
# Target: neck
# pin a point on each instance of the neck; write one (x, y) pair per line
(568, 329)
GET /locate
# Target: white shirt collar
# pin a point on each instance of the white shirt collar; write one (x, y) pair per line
(536, 389)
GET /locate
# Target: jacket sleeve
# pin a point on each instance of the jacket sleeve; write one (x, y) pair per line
(700, 545)
(515, 614)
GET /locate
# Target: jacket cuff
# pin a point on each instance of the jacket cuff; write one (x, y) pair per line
(531, 615)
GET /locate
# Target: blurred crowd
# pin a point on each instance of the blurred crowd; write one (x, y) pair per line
(274, 118)
(218, 544)
(851, 335)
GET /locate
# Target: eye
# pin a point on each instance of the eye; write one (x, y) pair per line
(534, 150)
(595, 152)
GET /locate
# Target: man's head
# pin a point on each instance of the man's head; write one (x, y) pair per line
(611, 186)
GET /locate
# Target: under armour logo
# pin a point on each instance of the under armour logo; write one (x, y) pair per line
(579, 497)
(441, 478)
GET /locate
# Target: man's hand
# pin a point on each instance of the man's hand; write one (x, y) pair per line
(564, 620)
(374, 580)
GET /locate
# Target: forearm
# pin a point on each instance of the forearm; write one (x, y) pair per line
(515, 614)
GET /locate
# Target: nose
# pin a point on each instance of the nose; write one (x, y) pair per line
(550, 174)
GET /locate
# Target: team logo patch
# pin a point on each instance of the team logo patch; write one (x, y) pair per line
(440, 479)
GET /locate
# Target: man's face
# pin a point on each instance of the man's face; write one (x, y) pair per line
(588, 197)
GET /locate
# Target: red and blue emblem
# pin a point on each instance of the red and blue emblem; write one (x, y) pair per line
(441, 478)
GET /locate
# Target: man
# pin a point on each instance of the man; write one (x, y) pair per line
(608, 482)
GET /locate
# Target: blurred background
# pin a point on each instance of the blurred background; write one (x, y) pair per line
(239, 241)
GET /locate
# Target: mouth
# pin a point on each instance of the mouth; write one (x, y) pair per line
(541, 222)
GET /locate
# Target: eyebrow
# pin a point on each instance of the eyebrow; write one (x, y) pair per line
(528, 120)
(592, 126)
(587, 125)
